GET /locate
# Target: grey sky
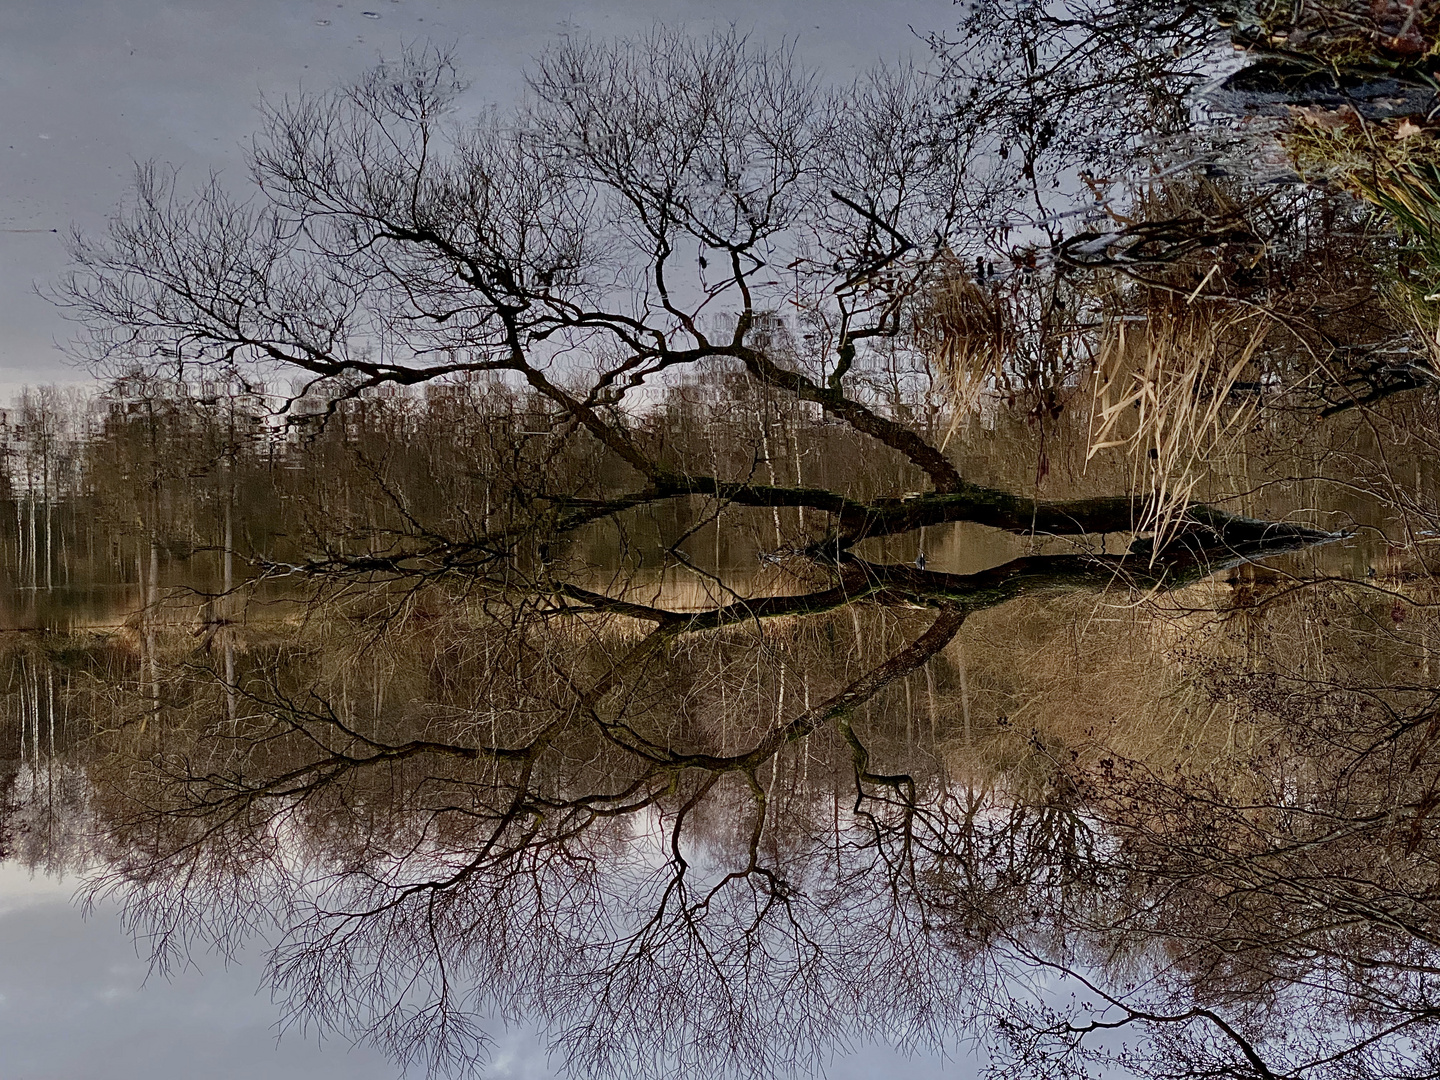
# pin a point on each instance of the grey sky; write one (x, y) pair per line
(89, 86)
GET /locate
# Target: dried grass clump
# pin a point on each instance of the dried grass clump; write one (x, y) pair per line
(1167, 402)
(967, 332)
(1395, 167)
(1344, 32)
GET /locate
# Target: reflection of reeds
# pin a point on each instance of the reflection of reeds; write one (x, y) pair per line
(1175, 390)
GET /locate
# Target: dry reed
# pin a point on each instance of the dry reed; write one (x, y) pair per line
(1395, 168)
(967, 333)
(1178, 386)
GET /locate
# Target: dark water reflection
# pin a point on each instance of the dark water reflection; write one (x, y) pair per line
(444, 793)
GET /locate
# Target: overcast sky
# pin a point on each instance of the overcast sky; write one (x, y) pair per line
(87, 87)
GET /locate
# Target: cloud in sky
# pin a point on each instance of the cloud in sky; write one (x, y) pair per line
(75, 1002)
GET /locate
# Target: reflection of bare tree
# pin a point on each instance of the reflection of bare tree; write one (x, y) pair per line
(1271, 912)
(619, 859)
(615, 826)
(675, 845)
(520, 867)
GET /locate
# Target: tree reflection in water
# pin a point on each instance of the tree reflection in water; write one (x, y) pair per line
(885, 658)
(860, 800)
